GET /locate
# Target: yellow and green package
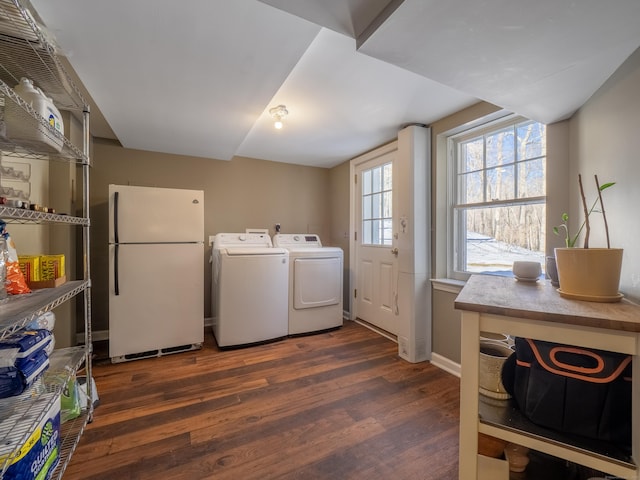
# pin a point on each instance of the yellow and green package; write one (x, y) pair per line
(70, 407)
(69, 401)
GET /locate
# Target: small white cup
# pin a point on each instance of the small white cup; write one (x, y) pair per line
(527, 270)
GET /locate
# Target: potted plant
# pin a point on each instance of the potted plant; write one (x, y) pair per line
(591, 274)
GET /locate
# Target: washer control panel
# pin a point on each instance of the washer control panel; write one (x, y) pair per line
(241, 240)
(296, 240)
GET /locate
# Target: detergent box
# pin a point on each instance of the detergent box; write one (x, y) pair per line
(51, 267)
(30, 266)
(38, 456)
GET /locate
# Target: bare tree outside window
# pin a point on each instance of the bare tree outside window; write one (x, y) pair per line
(499, 213)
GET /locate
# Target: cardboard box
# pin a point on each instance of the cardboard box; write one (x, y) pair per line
(30, 266)
(40, 454)
(47, 283)
(51, 267)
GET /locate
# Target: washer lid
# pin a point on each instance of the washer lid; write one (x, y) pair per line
(234, 251)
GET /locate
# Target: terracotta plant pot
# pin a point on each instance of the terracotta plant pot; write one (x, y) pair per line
(591, 274)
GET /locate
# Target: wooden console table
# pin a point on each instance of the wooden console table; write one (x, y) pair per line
(536, 310)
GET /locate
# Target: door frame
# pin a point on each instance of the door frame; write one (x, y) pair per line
(354, 196)
(412, 183)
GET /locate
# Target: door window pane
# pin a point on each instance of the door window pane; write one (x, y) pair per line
(376, 201)
(386, 170)
(377, 179)
(366, 207)
(366, 182)
(377, 207)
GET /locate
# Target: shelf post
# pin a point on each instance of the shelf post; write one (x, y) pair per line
(635, 406)
(86, 263)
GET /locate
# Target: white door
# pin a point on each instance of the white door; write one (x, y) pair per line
(156, 297)
(376, 263)
(317, 282)
(155, 215)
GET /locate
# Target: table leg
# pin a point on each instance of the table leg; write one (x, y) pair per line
(469, 361)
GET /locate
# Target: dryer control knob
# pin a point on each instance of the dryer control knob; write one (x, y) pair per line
(296, 238)
(242, 238)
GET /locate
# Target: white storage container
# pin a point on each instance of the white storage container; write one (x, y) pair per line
(26, 130)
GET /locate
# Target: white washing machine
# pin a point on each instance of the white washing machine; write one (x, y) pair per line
(315, 283)
(250, 285)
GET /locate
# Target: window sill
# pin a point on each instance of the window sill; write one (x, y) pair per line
(447, 285)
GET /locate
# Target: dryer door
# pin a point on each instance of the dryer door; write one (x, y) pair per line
(317, 282)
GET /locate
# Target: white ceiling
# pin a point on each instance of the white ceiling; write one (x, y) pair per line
(198, 77)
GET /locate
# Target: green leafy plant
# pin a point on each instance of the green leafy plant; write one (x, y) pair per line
(570, 240)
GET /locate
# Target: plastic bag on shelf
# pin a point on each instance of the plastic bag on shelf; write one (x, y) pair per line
(8, 357)
(28, 342)
(70, 401)
(16, 283)
(11, 382)
(45, 321)
(82, 390)
(66, 381)
(49, 347)
(4, 255)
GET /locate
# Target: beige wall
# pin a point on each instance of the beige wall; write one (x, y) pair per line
(239, 194)
(339, 217)
(605, 141)
(446, 327)
(601, 138)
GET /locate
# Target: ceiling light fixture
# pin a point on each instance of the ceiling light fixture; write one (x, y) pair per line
(278, 113)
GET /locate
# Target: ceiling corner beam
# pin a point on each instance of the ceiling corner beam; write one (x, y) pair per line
(375, 24)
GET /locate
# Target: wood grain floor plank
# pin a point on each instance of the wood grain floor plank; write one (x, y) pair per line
(336, 405)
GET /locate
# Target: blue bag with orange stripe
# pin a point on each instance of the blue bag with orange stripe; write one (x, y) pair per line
(575, 390)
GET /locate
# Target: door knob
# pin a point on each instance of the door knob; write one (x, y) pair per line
(394, 251)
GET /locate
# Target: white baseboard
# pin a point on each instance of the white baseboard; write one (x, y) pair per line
(377, 330)
(96, 335)
(445, 364)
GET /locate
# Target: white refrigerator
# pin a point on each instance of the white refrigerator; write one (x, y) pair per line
(156, 271)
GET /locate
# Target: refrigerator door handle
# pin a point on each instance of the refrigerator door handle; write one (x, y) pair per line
(116, 283)
(115, 217)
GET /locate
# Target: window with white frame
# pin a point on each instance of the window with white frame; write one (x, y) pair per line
(376, 205)
(497, 197)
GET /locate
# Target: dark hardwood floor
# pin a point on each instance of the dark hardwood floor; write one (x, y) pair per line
(336, 405)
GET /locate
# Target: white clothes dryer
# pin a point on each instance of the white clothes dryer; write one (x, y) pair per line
(315, 283)
(250, 281)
